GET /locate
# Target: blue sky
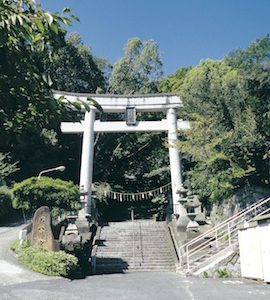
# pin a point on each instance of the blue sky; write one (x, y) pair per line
(186, 31)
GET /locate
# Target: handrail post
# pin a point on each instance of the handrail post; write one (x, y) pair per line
(187, 259)
(133, 239)
(229, 234)
(216, 237)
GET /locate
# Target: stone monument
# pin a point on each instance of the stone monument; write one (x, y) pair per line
(42, 235)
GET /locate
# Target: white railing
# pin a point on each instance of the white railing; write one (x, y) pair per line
(200, 249)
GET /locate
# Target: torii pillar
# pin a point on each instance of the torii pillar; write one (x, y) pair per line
(175, 163)
(87, 158)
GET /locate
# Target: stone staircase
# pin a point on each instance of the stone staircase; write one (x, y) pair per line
(141, 245)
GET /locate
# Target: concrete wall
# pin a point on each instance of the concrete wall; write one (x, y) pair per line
(254, 245)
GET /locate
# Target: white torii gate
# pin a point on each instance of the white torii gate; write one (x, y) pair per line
(118, 104)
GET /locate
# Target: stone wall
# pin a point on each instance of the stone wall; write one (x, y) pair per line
(228, 268)
(240, 200)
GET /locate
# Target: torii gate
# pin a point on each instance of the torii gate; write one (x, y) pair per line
(118, 104)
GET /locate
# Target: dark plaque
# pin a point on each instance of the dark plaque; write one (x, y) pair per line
(131, 115)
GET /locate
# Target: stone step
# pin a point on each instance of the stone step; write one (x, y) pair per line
(134, 230)
(124, 258)
(116, 269)
(131, 266)
(131, 238)
(159, 243)
(153, 236)
(133, 245)
(130, 252)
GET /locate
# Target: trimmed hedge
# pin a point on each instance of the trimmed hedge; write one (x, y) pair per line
(5, 202)
(45, 262)
(57, 194)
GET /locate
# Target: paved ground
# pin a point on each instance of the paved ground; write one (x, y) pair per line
(139, 286)
(11, 271)
(16, 282)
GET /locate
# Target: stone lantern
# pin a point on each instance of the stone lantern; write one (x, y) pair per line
(193, 207)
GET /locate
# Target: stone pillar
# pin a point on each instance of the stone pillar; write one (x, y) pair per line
(175, 163)
(86, 173)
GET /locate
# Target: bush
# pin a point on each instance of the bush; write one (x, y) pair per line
(57, 194)
(45, 262)
(222, 273)
(5, 202)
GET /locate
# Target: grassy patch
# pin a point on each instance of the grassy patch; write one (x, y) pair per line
(45, 262)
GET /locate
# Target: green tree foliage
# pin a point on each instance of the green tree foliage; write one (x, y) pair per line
(133, 162)
(5, 202)
(27, 106)
(73, 68)
(224, 136)
(139, 71)
(29, 115)
(6, 167)
(26, 101)
(173, 83)
(253, 64)
(57, 194)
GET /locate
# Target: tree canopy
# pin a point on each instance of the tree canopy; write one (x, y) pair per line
(73, 68)
(229, 105)
(139, 71)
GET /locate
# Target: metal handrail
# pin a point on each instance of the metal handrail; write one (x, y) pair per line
(220, 233)
(257, 204)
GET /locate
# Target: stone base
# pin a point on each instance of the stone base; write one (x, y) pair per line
(192, 225)
(182, 223)
(82, 225)
(71, 238)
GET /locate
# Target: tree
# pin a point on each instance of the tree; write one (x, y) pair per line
(57, 194)
(116, 156)
(253, 64)
(26, 99)
(29, 114)
(224, 136)
(139, 71)
(6, 167)
(173, 83)
(73, 68)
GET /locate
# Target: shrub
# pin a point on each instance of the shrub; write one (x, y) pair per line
(57, 194)
(5, 201)
(45, 262)
(222, 273)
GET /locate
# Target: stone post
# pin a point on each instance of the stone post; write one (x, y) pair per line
(175, 163)
(86, 172)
